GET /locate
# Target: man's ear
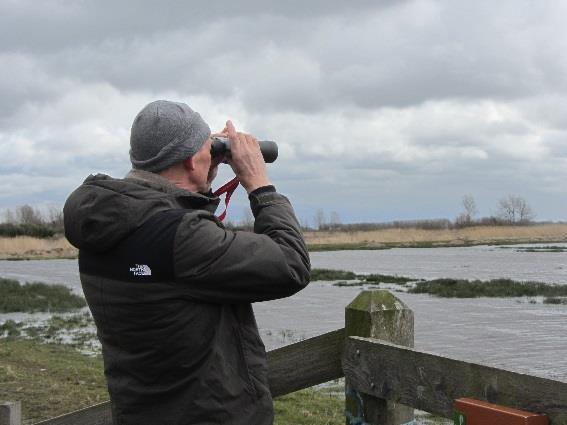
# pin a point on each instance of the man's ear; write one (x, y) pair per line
(188, 164)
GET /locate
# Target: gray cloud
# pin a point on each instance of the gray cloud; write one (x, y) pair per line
(51, 24)
(415, 100)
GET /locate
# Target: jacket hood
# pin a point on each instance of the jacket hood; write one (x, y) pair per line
(104, 210)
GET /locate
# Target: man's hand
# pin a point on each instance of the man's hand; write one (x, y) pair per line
(246, 159)
(216, 161)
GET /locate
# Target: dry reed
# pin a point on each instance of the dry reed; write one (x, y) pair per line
(28, 247)
(468, 235)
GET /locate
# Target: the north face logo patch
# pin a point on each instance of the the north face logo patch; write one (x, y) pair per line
(141, 270)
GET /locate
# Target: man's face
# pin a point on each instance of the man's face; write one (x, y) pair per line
(205, 167)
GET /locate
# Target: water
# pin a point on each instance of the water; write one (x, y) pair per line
(478, 262)
(507, 333)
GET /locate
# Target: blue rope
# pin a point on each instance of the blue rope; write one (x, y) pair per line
(359, 418)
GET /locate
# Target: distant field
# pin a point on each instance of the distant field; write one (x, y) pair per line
(24, 247)
(387, 238)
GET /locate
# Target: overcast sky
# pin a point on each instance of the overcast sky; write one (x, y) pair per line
(382, 110)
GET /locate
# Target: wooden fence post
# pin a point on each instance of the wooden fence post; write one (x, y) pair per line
(10, 413)
(380, 315)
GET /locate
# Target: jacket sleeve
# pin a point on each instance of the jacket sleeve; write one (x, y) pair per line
(214, 264)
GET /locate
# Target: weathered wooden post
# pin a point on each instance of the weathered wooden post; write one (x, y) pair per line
(380, 315)
(10, 413)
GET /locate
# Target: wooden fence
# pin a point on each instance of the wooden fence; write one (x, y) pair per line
(385, 378)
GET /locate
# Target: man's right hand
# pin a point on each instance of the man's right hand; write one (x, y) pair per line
(246, 159)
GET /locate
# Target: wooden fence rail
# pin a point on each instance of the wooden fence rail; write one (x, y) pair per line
(385, 379)
(431, 382)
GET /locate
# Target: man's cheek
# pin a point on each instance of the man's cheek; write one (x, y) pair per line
(212, 173)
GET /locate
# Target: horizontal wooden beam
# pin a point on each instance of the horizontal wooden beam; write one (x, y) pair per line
(306, 363)
(98, 414)
(431, 382)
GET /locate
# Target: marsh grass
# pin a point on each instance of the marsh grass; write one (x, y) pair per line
(344, 283)
(328, 274)
(29, 248)
(25, 247)
(555, 300)
(348, 278)
(385, 278)
(461, 288)
(51, 380)
(36, 297)
(543, 249)
(449, 288)
(423, 238)
(309, 407)
(10, 329)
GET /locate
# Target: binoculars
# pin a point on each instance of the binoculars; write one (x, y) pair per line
(221, 146)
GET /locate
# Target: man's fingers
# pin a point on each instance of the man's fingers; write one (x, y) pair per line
(230, 129)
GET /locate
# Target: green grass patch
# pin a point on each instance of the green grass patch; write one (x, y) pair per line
(309, 407)
(36, 297)
(385, 278)
(49, 379)
(76, 330)
(543, 249)
(555, 300)
(461, 288)
(11, 329)
(343, 283)
(327, 274)
(359, 279)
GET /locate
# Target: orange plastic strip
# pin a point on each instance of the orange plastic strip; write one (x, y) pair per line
(474, 412)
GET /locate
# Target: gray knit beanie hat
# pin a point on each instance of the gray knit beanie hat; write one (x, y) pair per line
(165, 133)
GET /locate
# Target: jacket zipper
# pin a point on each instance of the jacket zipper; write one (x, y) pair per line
(240, 339)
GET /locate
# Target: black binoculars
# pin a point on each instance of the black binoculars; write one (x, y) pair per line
(221, 146)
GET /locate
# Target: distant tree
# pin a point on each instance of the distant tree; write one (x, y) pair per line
(25, 214)
(469, 206)
(55, 217)
(305, 224)
(515, 210)
(469, 211)
(319, 219)
(334, 221)
(9, 216)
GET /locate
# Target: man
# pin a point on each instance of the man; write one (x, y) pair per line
(170, 288)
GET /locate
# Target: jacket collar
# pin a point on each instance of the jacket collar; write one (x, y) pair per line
(185, 198)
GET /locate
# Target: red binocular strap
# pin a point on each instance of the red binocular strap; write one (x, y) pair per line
(229, 189)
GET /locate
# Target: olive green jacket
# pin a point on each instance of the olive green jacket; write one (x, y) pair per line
(170, 290)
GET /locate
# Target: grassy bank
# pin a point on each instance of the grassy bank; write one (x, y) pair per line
(461, 288)
(424, 238)
(28, 248)
(450, 288)
(51, 380)
(24, 247)
(34, 297)
(75, 330)
(332, 275)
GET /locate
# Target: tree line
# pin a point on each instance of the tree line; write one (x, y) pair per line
(511, 210)
(25, 220)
